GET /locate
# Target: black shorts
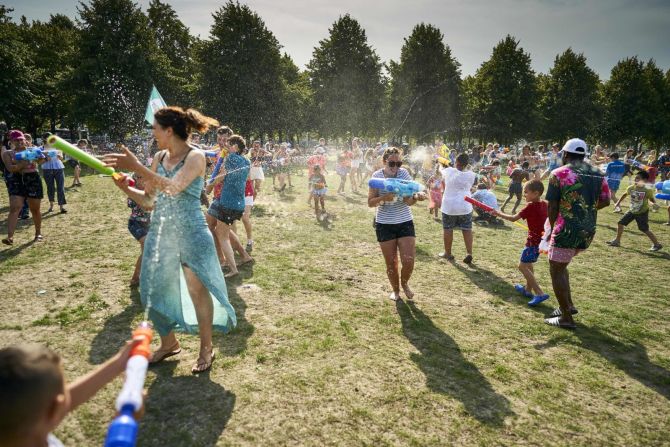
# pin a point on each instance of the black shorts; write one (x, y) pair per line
(25, 185)
(641, 219)
(72, 163)
(138, 229)
(388, 232)
(225, 215)
(515, 188)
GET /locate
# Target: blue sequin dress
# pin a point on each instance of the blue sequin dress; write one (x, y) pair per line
(178, 236)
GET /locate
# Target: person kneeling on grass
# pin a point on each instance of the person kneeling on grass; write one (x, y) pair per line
(535, 213)
(484, 195)
(640, 194)
(34, 395)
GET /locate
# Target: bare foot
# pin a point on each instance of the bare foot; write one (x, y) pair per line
(394, 296)
(408, 292)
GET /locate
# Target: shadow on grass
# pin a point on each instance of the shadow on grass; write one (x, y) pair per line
(9, 251)
(235, 342)
(447, 371)
(631, 357)
(184, 410)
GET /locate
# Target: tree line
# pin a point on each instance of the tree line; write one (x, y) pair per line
(97, 71)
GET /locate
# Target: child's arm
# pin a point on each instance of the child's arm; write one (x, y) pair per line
(623, 196)
(510, 217)
(83, 388)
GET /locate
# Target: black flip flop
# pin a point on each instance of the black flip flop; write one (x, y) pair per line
(556, 322)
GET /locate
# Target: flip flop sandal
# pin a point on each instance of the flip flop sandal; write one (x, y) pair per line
(162, 354)
(556, 322)
(8, 241)
(206, 366)
(557, 313)
(444, 256)
(39, 238)
(250, 261)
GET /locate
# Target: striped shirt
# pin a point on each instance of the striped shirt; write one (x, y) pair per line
(397, 211)
(53, 162)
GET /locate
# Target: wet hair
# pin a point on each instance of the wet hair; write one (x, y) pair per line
(644, 175)
(31, 378)
(391, 151)
(224, 130)
(463, 159)
(614, 155)
(239, 142)
(535, 186)
(183, 122)
(525, 165)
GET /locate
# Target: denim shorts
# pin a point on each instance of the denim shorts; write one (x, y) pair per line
(530, 255)
(138, 229)
(463, 222)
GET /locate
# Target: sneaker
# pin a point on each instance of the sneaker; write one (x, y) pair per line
(613, 243)
(656, 247)
(537, 299)
(250, 246)
(522, 290)
(468, 259)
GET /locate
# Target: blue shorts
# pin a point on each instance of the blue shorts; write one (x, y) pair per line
(463, 222)
(530, 255)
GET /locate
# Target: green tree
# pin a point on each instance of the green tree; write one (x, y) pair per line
(16, 77)
(296, 101)
(345, 74)
(114, 75)
(569, 98)
(424, 85)
(240, 71)
(657, 111)
(625, 100)
(504, 94)
(174, 61)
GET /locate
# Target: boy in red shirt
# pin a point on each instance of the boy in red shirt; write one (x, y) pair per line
(535, 214)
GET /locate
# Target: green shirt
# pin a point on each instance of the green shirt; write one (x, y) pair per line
(639, 198)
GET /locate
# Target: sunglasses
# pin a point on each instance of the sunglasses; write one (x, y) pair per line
(394, 164)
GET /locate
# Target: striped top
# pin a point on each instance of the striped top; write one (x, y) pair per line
(53, 162)
(397, 211)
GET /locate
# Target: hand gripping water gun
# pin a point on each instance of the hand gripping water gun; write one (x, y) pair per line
(122, 431)
(401, 188)
(443, 161)
(88, 159)
(489, 209)
(33, 153)
(664, 188)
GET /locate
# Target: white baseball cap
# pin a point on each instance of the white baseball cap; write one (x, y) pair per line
(575, 146)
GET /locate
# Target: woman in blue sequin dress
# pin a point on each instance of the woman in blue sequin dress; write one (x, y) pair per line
(181, 281)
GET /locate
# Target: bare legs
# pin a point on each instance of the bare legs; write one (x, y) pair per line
(560, 280)
(448, 239)
(390, 251)
(138, 265)
(526, 269)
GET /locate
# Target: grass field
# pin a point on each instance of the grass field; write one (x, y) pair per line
(321, 356)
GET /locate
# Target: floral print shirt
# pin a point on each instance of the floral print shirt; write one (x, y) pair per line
(578, 187)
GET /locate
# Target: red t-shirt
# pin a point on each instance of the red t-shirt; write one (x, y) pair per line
(535, 213)
(249, 188)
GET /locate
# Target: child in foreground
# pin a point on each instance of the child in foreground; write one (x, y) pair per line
(535, 213)
(35, 397)
(640, 195)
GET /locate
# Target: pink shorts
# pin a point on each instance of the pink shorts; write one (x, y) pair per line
(563, 255)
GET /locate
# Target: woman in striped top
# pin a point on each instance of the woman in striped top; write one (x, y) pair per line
(394, 225)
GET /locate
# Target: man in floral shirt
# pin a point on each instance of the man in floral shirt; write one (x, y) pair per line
(576, 192)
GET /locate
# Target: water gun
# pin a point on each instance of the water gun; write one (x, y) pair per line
(216, 170)
(88, 159)
(122, 431)
(636, 164)
(489, 209)
(212, 153)
(664, 188)
(401, 188)
(544, 243)
(30, 154)
(443, 161)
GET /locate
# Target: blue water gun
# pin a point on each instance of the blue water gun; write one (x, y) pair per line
(30, 154)
(212, 153)
(664, 188)
(401, 188)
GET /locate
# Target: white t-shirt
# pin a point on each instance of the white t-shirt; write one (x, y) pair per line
(457, 185)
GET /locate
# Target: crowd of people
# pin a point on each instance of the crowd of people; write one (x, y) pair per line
(186, 256)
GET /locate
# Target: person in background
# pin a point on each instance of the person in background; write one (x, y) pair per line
(53, 171)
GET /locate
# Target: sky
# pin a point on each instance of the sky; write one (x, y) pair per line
(606, 31)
